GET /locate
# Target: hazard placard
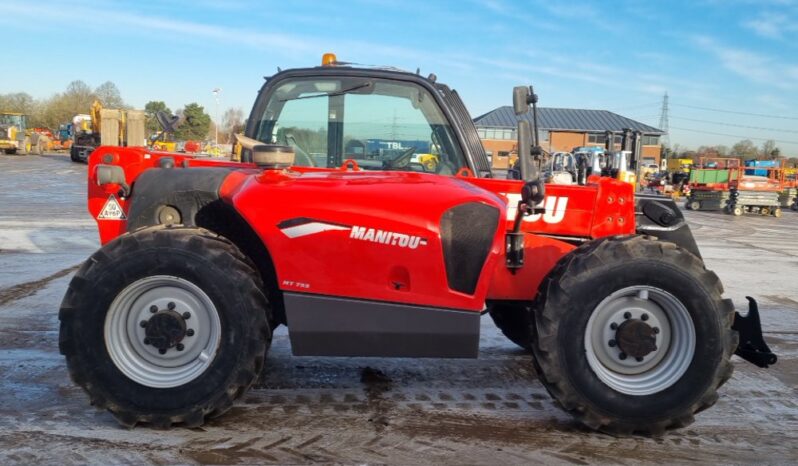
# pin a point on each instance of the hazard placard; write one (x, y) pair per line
(112, 210)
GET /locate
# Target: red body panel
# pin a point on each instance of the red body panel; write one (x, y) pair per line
(330, 262)
(315, 224)
(604, 207)
(133, 160)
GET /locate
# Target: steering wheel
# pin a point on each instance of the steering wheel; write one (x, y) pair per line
(298, 151)
(402, 161)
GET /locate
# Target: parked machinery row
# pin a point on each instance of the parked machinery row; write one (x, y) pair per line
(758, 187)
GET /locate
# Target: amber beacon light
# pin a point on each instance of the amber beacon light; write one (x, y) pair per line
(328, 59)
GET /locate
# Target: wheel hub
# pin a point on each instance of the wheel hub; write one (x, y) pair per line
(164, 330)
(636, 338)
(639, 340)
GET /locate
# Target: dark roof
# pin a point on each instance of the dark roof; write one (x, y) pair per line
(566, 119)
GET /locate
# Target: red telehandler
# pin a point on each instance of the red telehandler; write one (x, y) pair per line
(361, 250)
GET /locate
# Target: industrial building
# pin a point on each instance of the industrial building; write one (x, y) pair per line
(561, 129)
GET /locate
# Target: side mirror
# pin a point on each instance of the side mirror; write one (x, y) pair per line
(521, 99)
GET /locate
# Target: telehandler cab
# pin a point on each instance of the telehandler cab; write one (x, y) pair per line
(362, 251)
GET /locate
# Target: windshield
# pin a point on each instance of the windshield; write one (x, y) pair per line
(12, 120)
(379, 123)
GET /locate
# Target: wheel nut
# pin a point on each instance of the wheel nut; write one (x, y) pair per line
(644, 317)
(639, 359)
(611, 343)
(143, 323)
(622, 356)
(171, 306)
(153, 308)
(627, 315)
(180, 347)
(190, 332)
(655, 329)
(186, 315)
(162, 351)
(613, 326)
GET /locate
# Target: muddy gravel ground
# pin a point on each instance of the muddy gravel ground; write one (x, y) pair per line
(350, 410)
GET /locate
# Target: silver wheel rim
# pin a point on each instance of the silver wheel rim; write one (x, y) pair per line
(658, 370)
(125, 335)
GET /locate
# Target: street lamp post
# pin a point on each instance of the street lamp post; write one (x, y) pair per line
(216, 92)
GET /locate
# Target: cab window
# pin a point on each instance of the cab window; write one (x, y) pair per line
(381, 124)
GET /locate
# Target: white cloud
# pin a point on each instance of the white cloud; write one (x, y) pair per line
(750, 65)
(772, 25)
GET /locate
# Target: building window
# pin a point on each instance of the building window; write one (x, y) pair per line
(650, 140)
(505, 134)
(593, 138)
(503, 153)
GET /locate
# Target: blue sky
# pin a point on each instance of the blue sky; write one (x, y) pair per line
(732, 55)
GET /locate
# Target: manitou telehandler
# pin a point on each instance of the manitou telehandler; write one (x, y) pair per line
(372, 254)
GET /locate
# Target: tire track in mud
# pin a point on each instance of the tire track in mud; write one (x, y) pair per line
(13, 293)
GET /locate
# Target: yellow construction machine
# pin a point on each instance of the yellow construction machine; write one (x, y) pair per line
(13, 137)
(107, 127)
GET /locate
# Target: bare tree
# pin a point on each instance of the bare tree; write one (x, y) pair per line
(744, 149)
(769, 149)
(109, 95)
(232, 123)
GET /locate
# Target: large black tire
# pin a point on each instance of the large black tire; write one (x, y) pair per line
(73, 154)
(589, 276)
(514, 320)
(207, 261)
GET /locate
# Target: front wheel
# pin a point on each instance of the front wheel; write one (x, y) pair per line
(167, 325)
(632, 335)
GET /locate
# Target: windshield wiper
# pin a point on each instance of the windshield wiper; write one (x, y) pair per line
(329, 94)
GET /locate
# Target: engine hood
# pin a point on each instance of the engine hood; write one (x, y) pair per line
(359, 233)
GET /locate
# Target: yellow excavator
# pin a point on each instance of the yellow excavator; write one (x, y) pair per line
(13, 137)
(107, 127)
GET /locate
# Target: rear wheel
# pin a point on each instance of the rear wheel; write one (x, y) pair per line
(632, 335)
(165, 326)
(514, 320)
(695, 205)
(737, 210)
(777, 212)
